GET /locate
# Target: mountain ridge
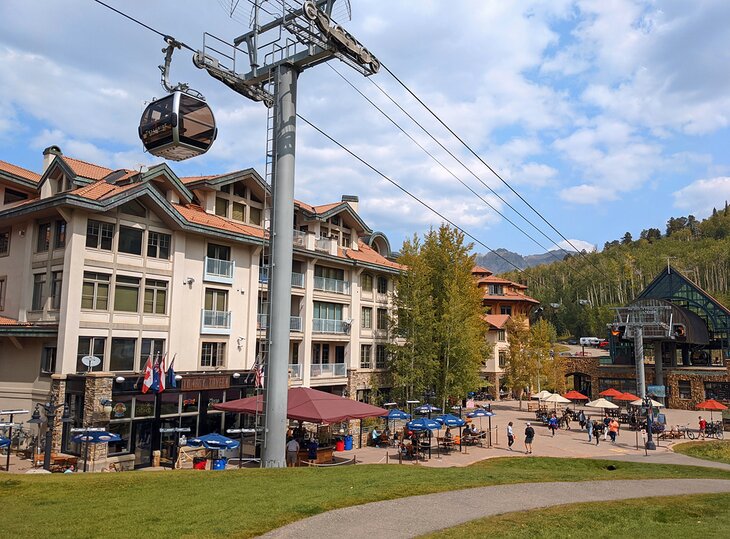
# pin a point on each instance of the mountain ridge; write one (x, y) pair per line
(495, 261)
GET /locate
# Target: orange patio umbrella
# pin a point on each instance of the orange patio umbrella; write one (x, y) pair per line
(712, 405)
(626, 397)
(576, 396)
(611, 392)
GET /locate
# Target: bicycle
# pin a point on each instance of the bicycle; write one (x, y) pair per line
(688, 432)
(714, 430)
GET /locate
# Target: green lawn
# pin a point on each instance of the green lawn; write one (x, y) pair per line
(681, 517)
(719, 451)
(192, 503)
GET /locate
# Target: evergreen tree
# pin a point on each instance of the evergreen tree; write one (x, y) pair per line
(627, 239)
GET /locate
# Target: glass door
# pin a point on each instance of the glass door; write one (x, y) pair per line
(142, 437)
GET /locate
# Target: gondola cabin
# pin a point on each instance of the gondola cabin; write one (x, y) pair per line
(177, 127)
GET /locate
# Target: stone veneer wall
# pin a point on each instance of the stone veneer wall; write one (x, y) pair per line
(697, 385)
(58, 394)
(592, 367)
(361, 380)
(98, 387)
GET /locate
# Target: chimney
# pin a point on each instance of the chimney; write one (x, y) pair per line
(49, 155)
(352, 200)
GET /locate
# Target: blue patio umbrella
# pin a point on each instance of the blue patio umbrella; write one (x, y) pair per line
(423, 423)
(480, 413)
(427, 409)
(214, 441)
(96, 437)
(4, 442)
(450, 420)
(395, 414)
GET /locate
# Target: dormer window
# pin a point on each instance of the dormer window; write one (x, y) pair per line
(235, 201)
(133, 207)
(13, 196)
(496, 290)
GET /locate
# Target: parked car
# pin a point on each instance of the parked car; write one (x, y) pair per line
(603, 344)
(589, 341)
(573, 341)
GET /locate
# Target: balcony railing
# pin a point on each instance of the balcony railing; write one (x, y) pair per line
(219, 271)
(263, 274)
(297, 280)
(322, 325)
(300, 239)
(331, 285)
(322, 244)
(295, 322)
(328, 369)
(295, 371)
(215, 322)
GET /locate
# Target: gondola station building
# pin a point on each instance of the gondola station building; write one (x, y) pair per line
(127, 266)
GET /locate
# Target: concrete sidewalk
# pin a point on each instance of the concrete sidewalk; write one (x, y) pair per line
(417, 515)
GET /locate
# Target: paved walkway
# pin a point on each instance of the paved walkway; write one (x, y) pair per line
(417, 515)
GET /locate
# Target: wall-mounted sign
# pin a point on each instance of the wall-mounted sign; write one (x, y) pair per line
(657, 391)
(120, 409)
(204, 382)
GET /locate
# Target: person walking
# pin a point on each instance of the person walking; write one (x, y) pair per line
(589, 428)
(597, 430)
(606, 423)
(553, 423)
(292, 451)
(613, 430)
(510, 436)
(529, 436)
(703, 427)
(582, 420)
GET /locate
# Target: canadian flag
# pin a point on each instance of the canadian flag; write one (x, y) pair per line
(148, 376)
(259, 376)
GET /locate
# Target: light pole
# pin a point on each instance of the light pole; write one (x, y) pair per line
(10, 426)
(50, 411)
(429, 394)
(36, 419)
(410, 404)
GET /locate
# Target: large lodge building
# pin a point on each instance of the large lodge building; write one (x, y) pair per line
(125, 265)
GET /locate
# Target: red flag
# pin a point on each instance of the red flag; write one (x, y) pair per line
(161, 374)
(259, 374)
(148, 375)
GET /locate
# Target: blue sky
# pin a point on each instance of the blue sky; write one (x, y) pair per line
(607, 116)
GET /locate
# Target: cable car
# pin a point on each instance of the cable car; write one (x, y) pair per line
(177, 127)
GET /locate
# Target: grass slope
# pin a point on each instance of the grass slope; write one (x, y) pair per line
(717, 451)
(681, 517)
(191, 503)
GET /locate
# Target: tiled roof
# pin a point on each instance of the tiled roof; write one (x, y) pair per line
(5, 321)
(86, 170)
(495, 280)
(18, 171)
(480, 269)
(325, 207)
(510, 296)
(196, 214)
(496, 320)
(369, 255)
(100, 190)
(192, 179)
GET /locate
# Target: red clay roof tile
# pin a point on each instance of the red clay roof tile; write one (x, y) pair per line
(19, 171)
(196, 214)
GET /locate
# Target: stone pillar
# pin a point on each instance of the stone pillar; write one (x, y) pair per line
(58, 396)
(98, 387)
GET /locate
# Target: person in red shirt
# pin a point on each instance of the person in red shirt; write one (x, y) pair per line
(703, 427)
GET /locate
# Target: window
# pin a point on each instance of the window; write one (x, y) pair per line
(123, 429)
(13, 196)
(99, 235)
(216, 300)
(219, 252)
(221, 207)
(501, 335)
(5, 242)
(3, 283)
(90, 346)
(151, 348)
(155, 296)
(158, 245)
(239, 189)
(502, 359)
(685, 389)
(130, 240)
(133, 207)
(382, 319)
(329, 273)
(213, 354)
(60, 235)
(121, 356)
(95, 291)
(496, 290)
(346, 240)
(48, 360)
(366, 282)
(321, 353)
(44, 238)
(382, 285)
(39, 290)
(226, 188)
(366, 352)
(717, 390)
(254, 215)
(239, 211)
(126, 294)
(381, 356)
(367, 318)
(327, 311)
(56, 285)
(505, 310)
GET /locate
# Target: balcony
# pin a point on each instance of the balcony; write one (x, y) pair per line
(322, 244)
(300, 239)
(295, 322)
(297, 279)
(331, 285)
(322, 325)
(219, 271)
(295, 371)
(321, 370)
(215, 322)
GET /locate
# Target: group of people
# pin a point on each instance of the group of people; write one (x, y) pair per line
(529, 436)
(296, 440)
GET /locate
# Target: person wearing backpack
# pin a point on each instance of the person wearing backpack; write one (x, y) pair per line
(529, 436)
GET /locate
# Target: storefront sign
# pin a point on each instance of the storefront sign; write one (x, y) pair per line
(205, 382)
(657, 391)
(120, 410)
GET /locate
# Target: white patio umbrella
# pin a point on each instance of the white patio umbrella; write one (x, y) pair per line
(542, 395)
(602, 403)
(556, 398)
(654, 404)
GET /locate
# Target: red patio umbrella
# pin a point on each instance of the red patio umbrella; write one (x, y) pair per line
(626, 397)
(307, 404)
(712, 405)
(611, 392)
(576, 396)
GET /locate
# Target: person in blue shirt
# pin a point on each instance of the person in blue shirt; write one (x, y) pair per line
(553, 423)
(312, 447)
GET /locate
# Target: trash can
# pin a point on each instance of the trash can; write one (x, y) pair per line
(219, 464)
(340, 445)
(348, 442)
(199, 463)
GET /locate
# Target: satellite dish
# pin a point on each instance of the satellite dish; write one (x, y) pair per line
(90, 361)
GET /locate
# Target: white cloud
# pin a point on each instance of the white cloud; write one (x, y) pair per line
(701, 196)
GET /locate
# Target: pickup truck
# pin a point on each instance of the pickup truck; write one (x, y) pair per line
(590, 341)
